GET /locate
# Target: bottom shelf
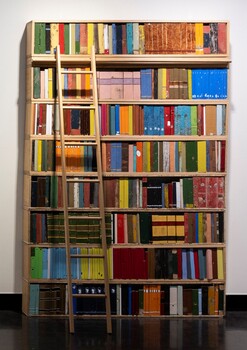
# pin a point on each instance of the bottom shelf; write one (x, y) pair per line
(130, 300)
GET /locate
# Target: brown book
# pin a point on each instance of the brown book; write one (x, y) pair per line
(187, 301)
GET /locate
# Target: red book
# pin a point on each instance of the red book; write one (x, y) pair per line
(167, 120)
(221, 193)
(172, 119)
(199, 192)
(212, 192)
(83, 38)
(222, 34)
(120, 228)
(196, 263)
(61, 37)
(86, 188)
(179, 257)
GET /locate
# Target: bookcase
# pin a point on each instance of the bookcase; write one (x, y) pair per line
(164, 108)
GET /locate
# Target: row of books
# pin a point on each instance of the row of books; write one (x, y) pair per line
(160, 192)
(146, 228)
(48, 299)
(133, 120)
(49, 228)
(146, 156)
(50, 263)
(46, 156)
(158, 300)
(162, 120)
(131, 38)
(130, 263)
(159, 263)
(145, 83)
(166, 156)
(123, 228)
(136, 300)
(46, 191)
(196, 192)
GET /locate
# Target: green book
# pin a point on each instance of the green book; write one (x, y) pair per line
(66, 38)
(191, 156)
(54, 192)
(187, 184)
(193, 118)
(39, 38)
(36, 82)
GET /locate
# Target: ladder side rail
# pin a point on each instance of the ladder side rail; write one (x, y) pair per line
(101, 191)
(64, 192)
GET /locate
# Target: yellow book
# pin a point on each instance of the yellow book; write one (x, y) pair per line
(130, 114)
(72, 38)
(54, 35)
(162, 83)
(199, 38)
(121, 193)
(171, 229)
(110, 265)
(90, 37)
(84, 265)
(88, 85)
(141, 39)
(201, 156)
(78, 83)
(39, 155)
(101, 38)
(220, 264)
(50, 82)
(126, 193)
(159, 229)
(92, 122)
(189, 83)
(180, 228)
(200, 227)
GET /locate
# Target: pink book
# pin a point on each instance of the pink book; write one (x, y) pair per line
(128, 86)
(117, 89)
(104, 85)
(209, 264)
(136, 85)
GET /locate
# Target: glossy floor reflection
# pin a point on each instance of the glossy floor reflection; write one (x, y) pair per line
(19, 332)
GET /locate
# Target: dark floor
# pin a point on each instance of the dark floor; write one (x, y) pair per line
(17, 332)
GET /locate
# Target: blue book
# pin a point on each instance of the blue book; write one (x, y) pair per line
(184, 264)
(81, 195)
(116, 156)
(129, 300)
(202, 263)
(34, 299)
(187, 119)
(114, 39)
(45, 263)
(146, 83)
(192, 264)
(148, 118)
(199, 301)
(117, 120)
(119, 38)
(129, 34)
(112, 120)
(134, 158)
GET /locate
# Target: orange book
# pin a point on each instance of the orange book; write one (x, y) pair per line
(139, 156)
(124, 120)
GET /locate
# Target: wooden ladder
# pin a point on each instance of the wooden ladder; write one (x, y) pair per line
(90, 104)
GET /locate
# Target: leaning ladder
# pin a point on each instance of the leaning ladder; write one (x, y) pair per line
(92, 104)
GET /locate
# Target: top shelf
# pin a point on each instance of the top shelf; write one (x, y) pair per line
(133, 60)
(130, 43)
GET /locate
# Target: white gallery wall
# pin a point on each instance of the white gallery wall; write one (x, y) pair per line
(13, 17)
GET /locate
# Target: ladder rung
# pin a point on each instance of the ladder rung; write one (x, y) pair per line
(82, 180)
(85, 217)
(76, 72)
(79, 143)
(89, 295)
(79, 107)
(91, 256)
